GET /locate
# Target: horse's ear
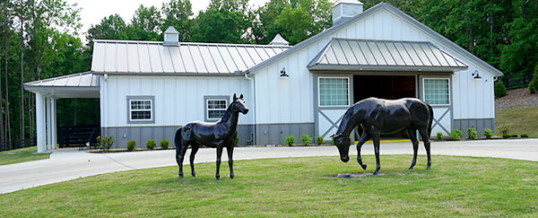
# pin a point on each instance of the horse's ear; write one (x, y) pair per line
(241, 97)
(235, 97)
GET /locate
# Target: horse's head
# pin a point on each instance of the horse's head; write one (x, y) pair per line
(342, 143)
(239, 105)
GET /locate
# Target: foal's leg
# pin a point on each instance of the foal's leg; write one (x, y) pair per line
(194, 149)
(181, 155)
(219, 154)
(230, 150)
(426, 138)
(413, 136)
(364, 137)
(375, 138)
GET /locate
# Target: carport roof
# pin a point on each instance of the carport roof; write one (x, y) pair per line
(78, 85)
(382, 55)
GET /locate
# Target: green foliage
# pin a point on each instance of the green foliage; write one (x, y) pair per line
(131, 145)
(533, 85)
(223, 21)
(305, 139)
(289, 140)
(514, 135)
(177, 13)
(524, 135)
(145, 24)
(488, 133)
(319, 140)
(164, 144)
(500, 89)
(472, 133)
(439, 135)
(506, 136)
(151, 144)
(236, 141)
(105, 142)
(456, 134)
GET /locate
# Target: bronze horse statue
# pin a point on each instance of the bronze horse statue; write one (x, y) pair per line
(379, 116)
(216, 135)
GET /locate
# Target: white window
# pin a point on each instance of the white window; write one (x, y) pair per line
(215, 108)
(140, 109)
(437, 91)
(333, 91)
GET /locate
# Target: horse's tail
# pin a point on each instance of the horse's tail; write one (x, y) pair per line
(431, 120)
(177, 141)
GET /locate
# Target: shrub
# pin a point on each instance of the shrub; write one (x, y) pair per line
(151, 144)
(455, 134)
(506, 136)
(320, 140)
(472, 133)
(499, 89)
(488, 133)
(514, 135)
(164, 144)
(524, 135)
(504, 129)
(305, 139)
(105, 142)
(289, 140)
(131, 145)
(236, 141)
(440, 135)
(533, 85)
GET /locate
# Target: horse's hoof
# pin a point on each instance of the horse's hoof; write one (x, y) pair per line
(428, 167)
(411, 167)
(364, 166)
(180, 175)
(218, 177)
(375, 173)
(232, 176)
(193, 174)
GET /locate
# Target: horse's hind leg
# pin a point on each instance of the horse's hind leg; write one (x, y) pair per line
(375, 138)
(413, 136)
(230, 150)
(426, 139)
(219, 154)
(194, 149)
(181, 155)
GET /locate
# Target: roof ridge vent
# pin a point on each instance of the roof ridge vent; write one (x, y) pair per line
(171, 37)
(279, 41)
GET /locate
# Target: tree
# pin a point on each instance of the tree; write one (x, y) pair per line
(146, 24)
(111, 27)
(224, 21)
(177, 13)
(5, 31)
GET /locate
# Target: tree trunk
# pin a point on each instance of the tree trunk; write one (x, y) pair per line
(8, 121)
(2, 129)
(21, 103)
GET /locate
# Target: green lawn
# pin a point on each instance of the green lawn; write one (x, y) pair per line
(21, 155)
(295, 187)
(519, 120)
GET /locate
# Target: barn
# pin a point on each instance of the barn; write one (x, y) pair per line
(149, 89)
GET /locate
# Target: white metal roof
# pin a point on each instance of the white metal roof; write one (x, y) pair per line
(355, 54)
(139, 57)
(86, 79)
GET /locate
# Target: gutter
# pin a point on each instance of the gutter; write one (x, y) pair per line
(253, 91)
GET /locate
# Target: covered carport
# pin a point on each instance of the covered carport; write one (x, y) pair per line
(47, 92)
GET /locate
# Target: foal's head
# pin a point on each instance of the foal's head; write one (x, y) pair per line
(238, 105)
(342, 143)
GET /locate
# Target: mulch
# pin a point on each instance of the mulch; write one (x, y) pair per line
(516, 98)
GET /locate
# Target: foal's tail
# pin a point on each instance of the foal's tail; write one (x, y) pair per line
(177, 141)
(431, 120)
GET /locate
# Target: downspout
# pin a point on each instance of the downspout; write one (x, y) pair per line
(253, 91)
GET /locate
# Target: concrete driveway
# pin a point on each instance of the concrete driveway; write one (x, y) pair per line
(70, 164)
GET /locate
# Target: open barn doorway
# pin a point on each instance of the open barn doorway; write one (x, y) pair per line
(387, 87)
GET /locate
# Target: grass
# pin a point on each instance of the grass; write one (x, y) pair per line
(518, 121)
(21, 155)
(295, 187)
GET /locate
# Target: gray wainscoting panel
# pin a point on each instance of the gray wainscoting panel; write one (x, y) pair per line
(272, 134)
(478, 124)
(141, 134)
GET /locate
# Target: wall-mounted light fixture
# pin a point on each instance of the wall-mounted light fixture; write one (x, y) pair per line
(476, 75)
(283, 73)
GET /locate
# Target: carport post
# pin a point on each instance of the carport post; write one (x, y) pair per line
(54, 131)
(40, 121)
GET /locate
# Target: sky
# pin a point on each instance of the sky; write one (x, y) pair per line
(94, 10)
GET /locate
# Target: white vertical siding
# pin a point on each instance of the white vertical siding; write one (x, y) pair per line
(178, 99)
(290, 100)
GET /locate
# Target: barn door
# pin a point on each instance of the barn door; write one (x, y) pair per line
(437, 91)
(333, 98)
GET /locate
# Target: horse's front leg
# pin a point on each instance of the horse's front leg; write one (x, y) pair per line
(375, 138)
(219, 154)
(230, 150)
(364, 137)
(194, 149)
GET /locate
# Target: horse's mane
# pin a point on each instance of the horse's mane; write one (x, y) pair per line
(227, 114)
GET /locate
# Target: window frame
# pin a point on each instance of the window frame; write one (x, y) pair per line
(131, 99)
(214, 98)
(424, 90)
(334, 77)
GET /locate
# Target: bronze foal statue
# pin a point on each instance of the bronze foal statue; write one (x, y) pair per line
(216, 135)
(379, 116)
